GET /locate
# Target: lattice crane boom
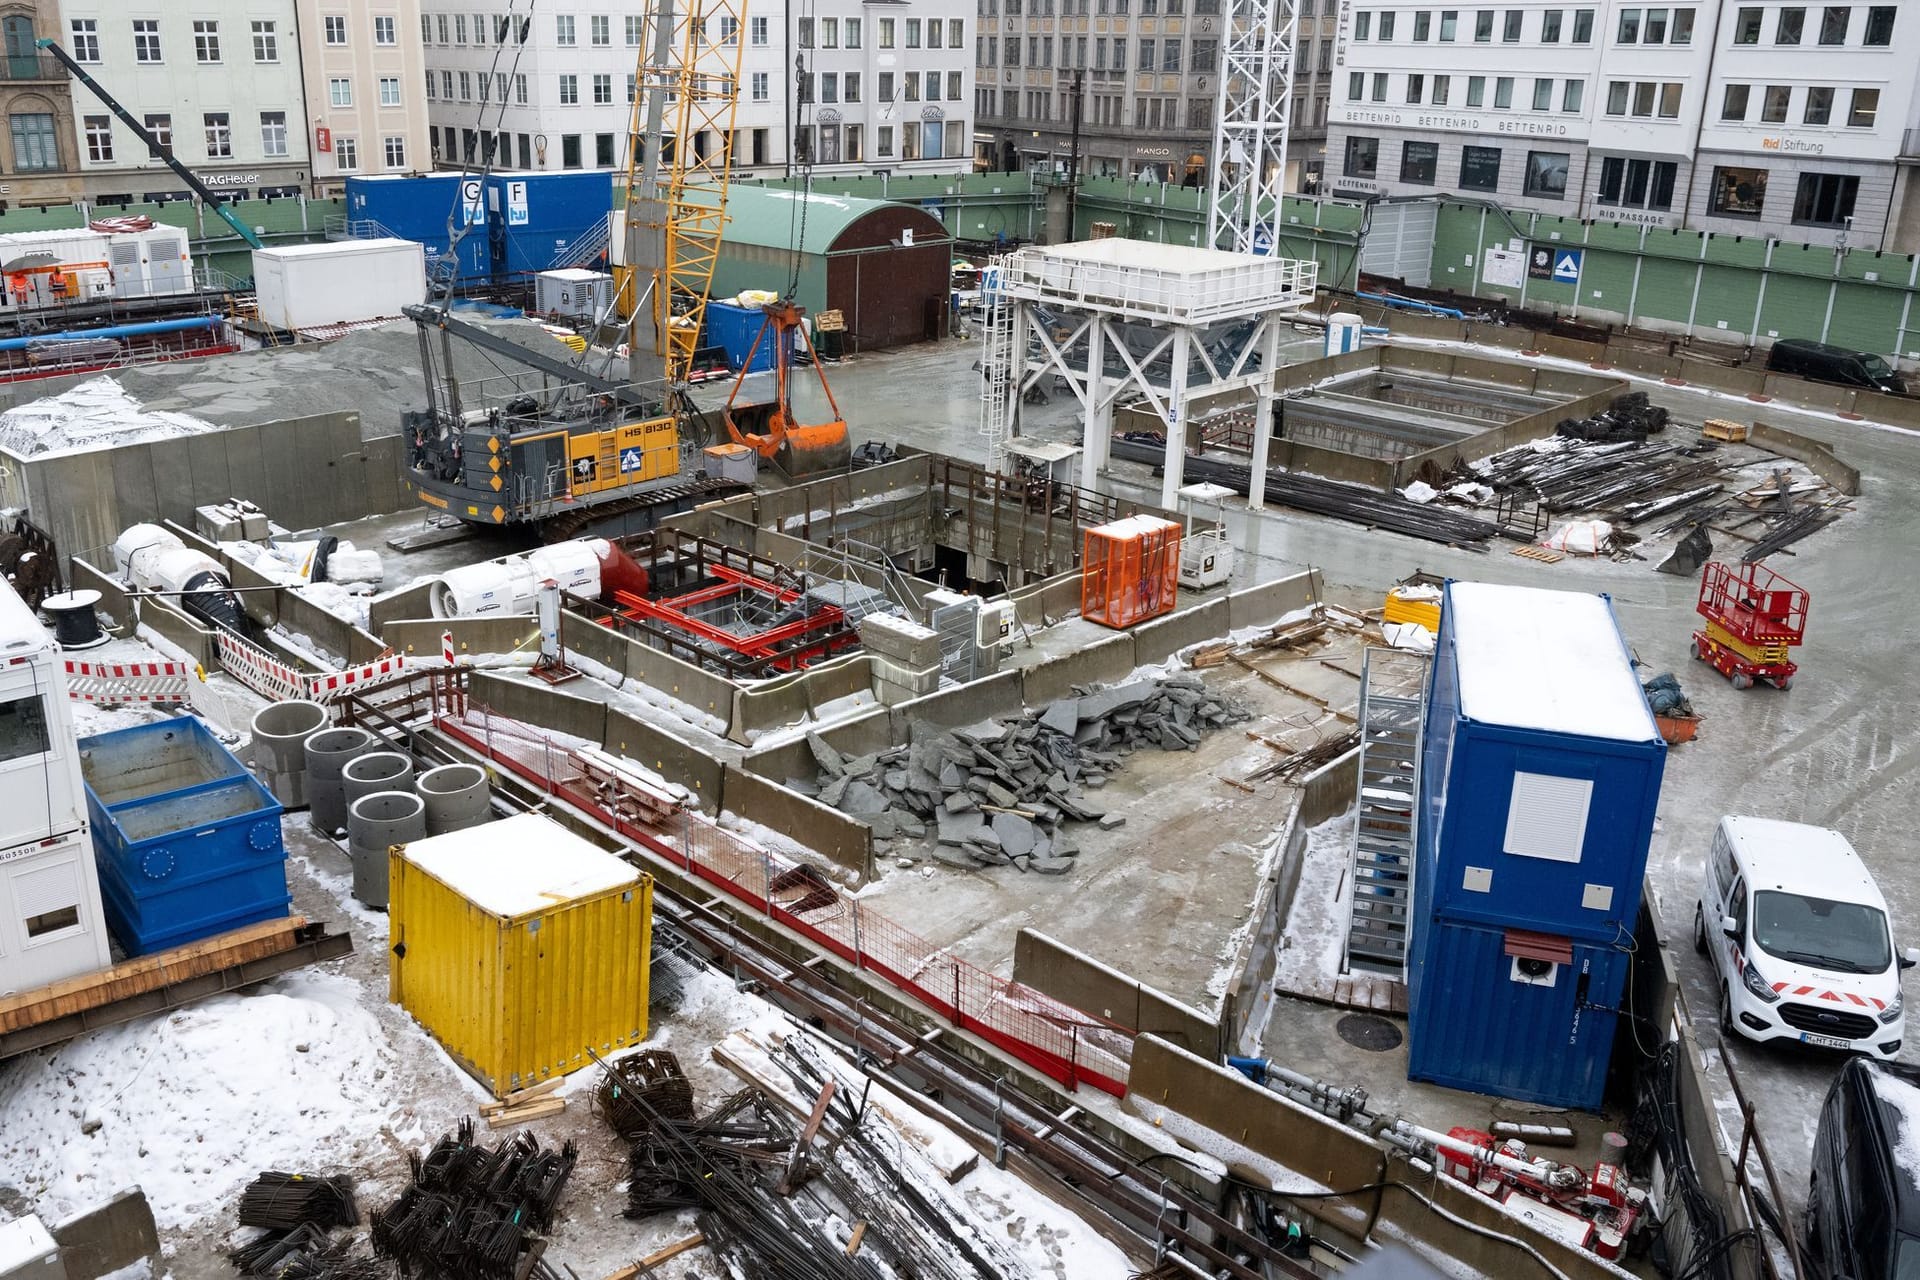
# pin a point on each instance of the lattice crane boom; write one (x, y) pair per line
(1254, 109)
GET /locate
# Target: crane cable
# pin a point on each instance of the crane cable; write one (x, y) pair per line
(459, 226)
(799, 238)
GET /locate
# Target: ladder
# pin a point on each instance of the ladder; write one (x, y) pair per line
(1392, 713)
(997, 364)
(585, 250)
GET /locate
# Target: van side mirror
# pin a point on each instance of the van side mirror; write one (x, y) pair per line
(1910, 957)
(1730, 926)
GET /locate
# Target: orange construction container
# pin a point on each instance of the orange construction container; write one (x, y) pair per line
(1130, 571)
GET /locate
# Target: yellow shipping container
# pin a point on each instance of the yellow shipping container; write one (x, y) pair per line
(520, 945)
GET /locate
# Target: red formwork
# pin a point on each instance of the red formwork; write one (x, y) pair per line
(1130, 571)
(1061, 1042)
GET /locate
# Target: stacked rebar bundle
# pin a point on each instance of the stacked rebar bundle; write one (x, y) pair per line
(282, 1201)
(471, 1211)
(652, 1076)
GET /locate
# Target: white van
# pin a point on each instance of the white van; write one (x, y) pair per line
(1797, 931)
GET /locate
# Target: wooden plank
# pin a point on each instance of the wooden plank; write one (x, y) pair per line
(520, 1096)
(859, 1234)
(539, 1110)
(148, 973)
(1284, 687)
(666, 1254)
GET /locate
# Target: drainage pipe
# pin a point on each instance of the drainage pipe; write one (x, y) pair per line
(280, 733)
(375, 823)
(456, 795)
(113, 331)
(329, 752)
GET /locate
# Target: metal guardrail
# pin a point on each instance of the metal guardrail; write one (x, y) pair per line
(31, 68)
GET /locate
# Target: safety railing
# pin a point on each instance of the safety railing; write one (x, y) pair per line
(1061, 1042)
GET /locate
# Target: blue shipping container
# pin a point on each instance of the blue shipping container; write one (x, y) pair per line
(421, 209)
(536, 218)
(734, 329)
(1540, 773)
(1475, 1024)
(188, 842)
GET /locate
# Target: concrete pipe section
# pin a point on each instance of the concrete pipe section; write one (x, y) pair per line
(376, 771)
(456, 796)
(280, 733)
(328, 754)
(375, 823)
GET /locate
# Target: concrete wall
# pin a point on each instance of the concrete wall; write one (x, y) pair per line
(1817, 454)
(845, 842)
(1160, 639)
(793, 758)
(1262, 1135)
(272, 605)
(304, 472)
(785, 700)
(1270, 601)
(1077, 979)
(421, 637)
(539, 705)
(666, 755)
(129, 613)
(1097, 663)
(407, 602)
(706, 693)
(1041, 604)
(107, 1238)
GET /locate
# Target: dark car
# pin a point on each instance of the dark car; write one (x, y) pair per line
(1863, 1200)
(1824, 363)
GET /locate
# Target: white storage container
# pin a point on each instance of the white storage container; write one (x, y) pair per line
(307, 286)
(573, 293)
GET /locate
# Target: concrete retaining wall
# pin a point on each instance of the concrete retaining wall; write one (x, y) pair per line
(1041, 604)
(832, 834)
(540, 706)
(108, 1238)
(701, 690)
(666, 755)
(130, 612)
(1817, 454)
(862, 735)
(1101, 662)
(1077, 979)
(1268, 602)
(422, 637)
(407, 602)
(995, 695)
(1160, 639)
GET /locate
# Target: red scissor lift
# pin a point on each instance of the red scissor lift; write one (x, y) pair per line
(1755, 618)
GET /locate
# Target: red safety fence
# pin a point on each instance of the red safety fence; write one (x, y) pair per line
(269, 676)
(112, 683)
(1064, 1043)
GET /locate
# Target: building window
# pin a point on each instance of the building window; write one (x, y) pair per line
(851, 90)
(460, 31)
(430, 84)
(219, 127)
(1629, 31)
(1363, 157)
(446, 84)
(1419, 161)
(600, 30)
(273, 133)
(1546, 177)
(1416, 87)
(1819, 109)
(1449, 24)
(1774, 103)
(99, 135)
(1682, 27)
(1422, 26)
(1825, 199)
(883, 136)
(1746, 26)
(1880, 25)
(466, 86)
(830, 88)
(563, 33)
(396, 148)
(1670, 100)
(830, 33)
(426, 28)
(757, 32)
(760, 86)
(886, 87)
(569, 91)
(1356, 80)
(1834, 22)
(340, 91)
(520, 90)
(1483, 26)
(266, 43)
(146, 40)
(34, 149)
(1575, 95)
(603, 150)
(335, 27)
(1363, 25)
(1637, 184)
(1866, 106)
(86, 39)
(1503, 92)
(346, 154)
(1476, 91)
(1550, 27)
(636, 25)
(1790, 26)
(1379, 86)
(389, 91)
(161, 127)
(1617, 91)
(1734, 105)
(442, 22)
(953, 87)
(570, 151)
(1386, 23)
(1655, 31)
(1542, 94)
(1480, 168)
(730, 31)
(1510, 31)
(1737, 193)
(206, 41)
(913, 33)
(383, 31)
(886, 42)
(1442, 85)
(1583, 26)
(1643, 94)
(602, 90)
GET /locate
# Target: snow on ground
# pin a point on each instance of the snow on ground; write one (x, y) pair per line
(1309, 958)
(1271, 850)
(644, 702)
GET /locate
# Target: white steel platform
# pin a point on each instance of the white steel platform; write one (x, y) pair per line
(1170, 283)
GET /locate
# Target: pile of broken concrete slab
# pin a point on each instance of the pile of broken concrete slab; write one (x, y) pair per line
(1002, 793)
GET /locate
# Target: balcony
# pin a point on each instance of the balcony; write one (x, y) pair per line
(31, 67)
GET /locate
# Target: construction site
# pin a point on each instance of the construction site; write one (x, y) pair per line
(1144, 761)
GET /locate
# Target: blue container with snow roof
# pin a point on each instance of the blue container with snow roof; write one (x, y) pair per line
(187, 840)
(1539, 777)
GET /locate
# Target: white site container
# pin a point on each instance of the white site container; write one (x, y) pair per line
(51, 925)
(306, 286)
(574, 293)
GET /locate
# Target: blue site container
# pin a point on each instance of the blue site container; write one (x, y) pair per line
(187, 841)
(536, 218)
(734, 328)
(1540, 774)
(420, 208)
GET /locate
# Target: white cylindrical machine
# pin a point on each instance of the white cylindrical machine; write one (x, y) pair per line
(457, 796)
(376, 823)
(154, 559)
(280, 734)
(376, 771)
(329, 752)
(511, 586)
(1343, 332)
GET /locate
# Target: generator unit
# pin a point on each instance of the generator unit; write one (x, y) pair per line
(1539, 774)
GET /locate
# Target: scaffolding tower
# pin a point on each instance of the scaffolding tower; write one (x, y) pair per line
(1249, 169)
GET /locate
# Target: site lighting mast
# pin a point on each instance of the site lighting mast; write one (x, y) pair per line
(1249, 168)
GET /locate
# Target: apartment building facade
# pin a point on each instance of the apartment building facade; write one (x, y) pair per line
(853, 87)
(1148, 76)
(39, 161)
(218, 83)
(1789, 121)
(363, 70)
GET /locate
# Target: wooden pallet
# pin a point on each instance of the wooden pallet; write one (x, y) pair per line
(1376, 993)
(1543, 554)
(1724, 429)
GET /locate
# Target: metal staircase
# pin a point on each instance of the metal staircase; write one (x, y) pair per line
(1392, 712)
(586, 250)
(997, 364)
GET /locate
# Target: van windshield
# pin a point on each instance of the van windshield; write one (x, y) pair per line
(1876, 366)
(1845, 937)
(1906, 1259)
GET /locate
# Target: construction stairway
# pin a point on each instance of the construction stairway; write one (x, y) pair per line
(1392, 705)
(998, 368)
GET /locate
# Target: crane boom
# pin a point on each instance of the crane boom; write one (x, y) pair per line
(154, 145)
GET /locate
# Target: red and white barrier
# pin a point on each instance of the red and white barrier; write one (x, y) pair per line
(265, 674)
(324, 688)
(111, 683)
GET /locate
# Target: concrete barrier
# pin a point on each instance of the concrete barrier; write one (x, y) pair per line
(113, 596)
(842, 840)
(108, 1238)
(1100, 662)
(539, 705)
(1160, 639)
(407, 602)
(1077, 979)
(1044, 603)
(422, 637)
(793, 758)
(1268, 602)
(769, 705)
(676, 761)
(995, 695)
(1817, 454)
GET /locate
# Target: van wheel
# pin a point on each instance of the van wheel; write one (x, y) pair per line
(1726, 1012)
(1700, 930)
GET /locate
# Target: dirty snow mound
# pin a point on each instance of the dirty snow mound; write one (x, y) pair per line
(96, 412)
(192, 1105)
